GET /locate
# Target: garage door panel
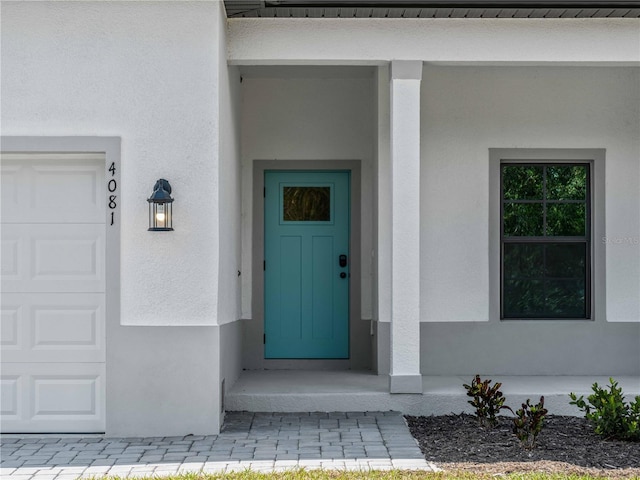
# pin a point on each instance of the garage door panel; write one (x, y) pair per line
(53, 327)
(57, 395)
(53, 190)
(55, 258)
(13, 177)
(64, 327)
(9, 397)
(10, 257)
(64, 256)
(53, 397)
(11, 323)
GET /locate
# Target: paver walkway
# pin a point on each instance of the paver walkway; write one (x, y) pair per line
(256, 441)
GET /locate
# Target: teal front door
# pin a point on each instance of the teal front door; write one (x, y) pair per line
(306, 270)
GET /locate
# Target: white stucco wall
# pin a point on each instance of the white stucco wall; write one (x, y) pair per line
(162, 381)
(229, 193)
(466, 111)
(308, 114)
(146, 73)
(228, 364)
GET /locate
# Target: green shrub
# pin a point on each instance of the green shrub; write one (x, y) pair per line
(611, 416)
(528, 423)
(487, 400)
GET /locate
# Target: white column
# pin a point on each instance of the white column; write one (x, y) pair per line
(405, 251)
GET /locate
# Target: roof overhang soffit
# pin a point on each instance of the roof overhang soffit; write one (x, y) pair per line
(433, 9)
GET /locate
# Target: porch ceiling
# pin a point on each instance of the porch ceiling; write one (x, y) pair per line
(432, 9)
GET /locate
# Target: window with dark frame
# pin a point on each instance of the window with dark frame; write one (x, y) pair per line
(545, 230)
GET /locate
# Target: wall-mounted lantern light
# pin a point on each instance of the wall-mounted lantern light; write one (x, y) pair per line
(160, 201)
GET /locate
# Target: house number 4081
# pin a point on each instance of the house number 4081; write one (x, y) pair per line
(112, 187)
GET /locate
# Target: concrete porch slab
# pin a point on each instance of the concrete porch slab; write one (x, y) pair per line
(344, 391)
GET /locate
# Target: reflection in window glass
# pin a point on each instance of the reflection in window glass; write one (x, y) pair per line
(306, 204)
(523, 220)
(544, 280)
(567, 182)
(567, 220)
(522, 182)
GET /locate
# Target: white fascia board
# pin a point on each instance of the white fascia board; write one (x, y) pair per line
(602, 41)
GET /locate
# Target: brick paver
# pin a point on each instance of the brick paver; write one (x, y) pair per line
(262, 442)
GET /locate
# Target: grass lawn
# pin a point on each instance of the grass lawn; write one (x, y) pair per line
(366, 475)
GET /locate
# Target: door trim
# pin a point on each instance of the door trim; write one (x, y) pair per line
(254, 328)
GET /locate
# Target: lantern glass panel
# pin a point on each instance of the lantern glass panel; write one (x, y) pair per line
(160, 217)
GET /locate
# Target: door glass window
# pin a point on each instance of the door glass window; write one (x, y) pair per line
(306, 204)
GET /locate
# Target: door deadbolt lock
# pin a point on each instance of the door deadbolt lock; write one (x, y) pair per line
(342, 261)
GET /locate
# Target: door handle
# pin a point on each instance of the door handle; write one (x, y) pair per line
(342, 261)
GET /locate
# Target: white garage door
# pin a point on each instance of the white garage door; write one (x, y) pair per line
(53, 293)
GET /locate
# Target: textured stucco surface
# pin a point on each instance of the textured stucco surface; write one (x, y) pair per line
(466, 111)
(229, 192)
(315, 115)
(162, 381)
(405, 221)
(146, 74)
(94, 68)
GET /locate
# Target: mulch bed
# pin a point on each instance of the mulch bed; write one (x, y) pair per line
(566, 445)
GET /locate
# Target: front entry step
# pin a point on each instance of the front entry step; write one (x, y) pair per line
(347, 391)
